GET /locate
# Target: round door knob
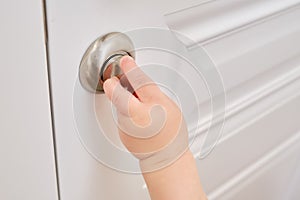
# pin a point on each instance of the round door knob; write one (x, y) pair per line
(101, 60)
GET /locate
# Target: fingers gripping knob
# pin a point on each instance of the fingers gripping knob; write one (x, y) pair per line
(101, 60)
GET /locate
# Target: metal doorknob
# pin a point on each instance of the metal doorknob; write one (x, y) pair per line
(101, 60)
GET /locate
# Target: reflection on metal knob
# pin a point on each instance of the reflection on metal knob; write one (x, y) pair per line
(101, 60)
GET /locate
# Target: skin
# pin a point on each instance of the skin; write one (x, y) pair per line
(175, 176)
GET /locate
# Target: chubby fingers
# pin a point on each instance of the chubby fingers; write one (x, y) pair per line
(151, 120)
(120, 97)
(143, 86)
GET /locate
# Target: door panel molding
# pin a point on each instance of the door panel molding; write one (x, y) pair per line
(254, 94)
(243, 145)
(212, 20)
(245, 53)
(254, 60)
(276, 156)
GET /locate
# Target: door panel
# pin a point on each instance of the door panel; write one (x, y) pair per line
(255, 77)
(72, 26)
(274, 176)
(245, 145)
(27, 166)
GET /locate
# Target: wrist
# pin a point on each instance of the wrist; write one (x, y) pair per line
(184, 156)
(168, 182)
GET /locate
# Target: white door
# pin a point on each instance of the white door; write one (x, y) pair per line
(249, 59)
(27, 165)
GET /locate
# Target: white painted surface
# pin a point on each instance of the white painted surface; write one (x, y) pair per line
(274, 176)
(73, 25)
(27, 169)
(254, 88)
(214, 19)
(246, 142)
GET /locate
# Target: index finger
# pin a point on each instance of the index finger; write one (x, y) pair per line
(143, 86)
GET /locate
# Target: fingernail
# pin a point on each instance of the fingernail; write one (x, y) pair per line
(125, 60)
(106, 84)
(111, 81)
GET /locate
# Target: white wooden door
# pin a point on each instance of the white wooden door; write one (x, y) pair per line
(254, 47)
(27, 165)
